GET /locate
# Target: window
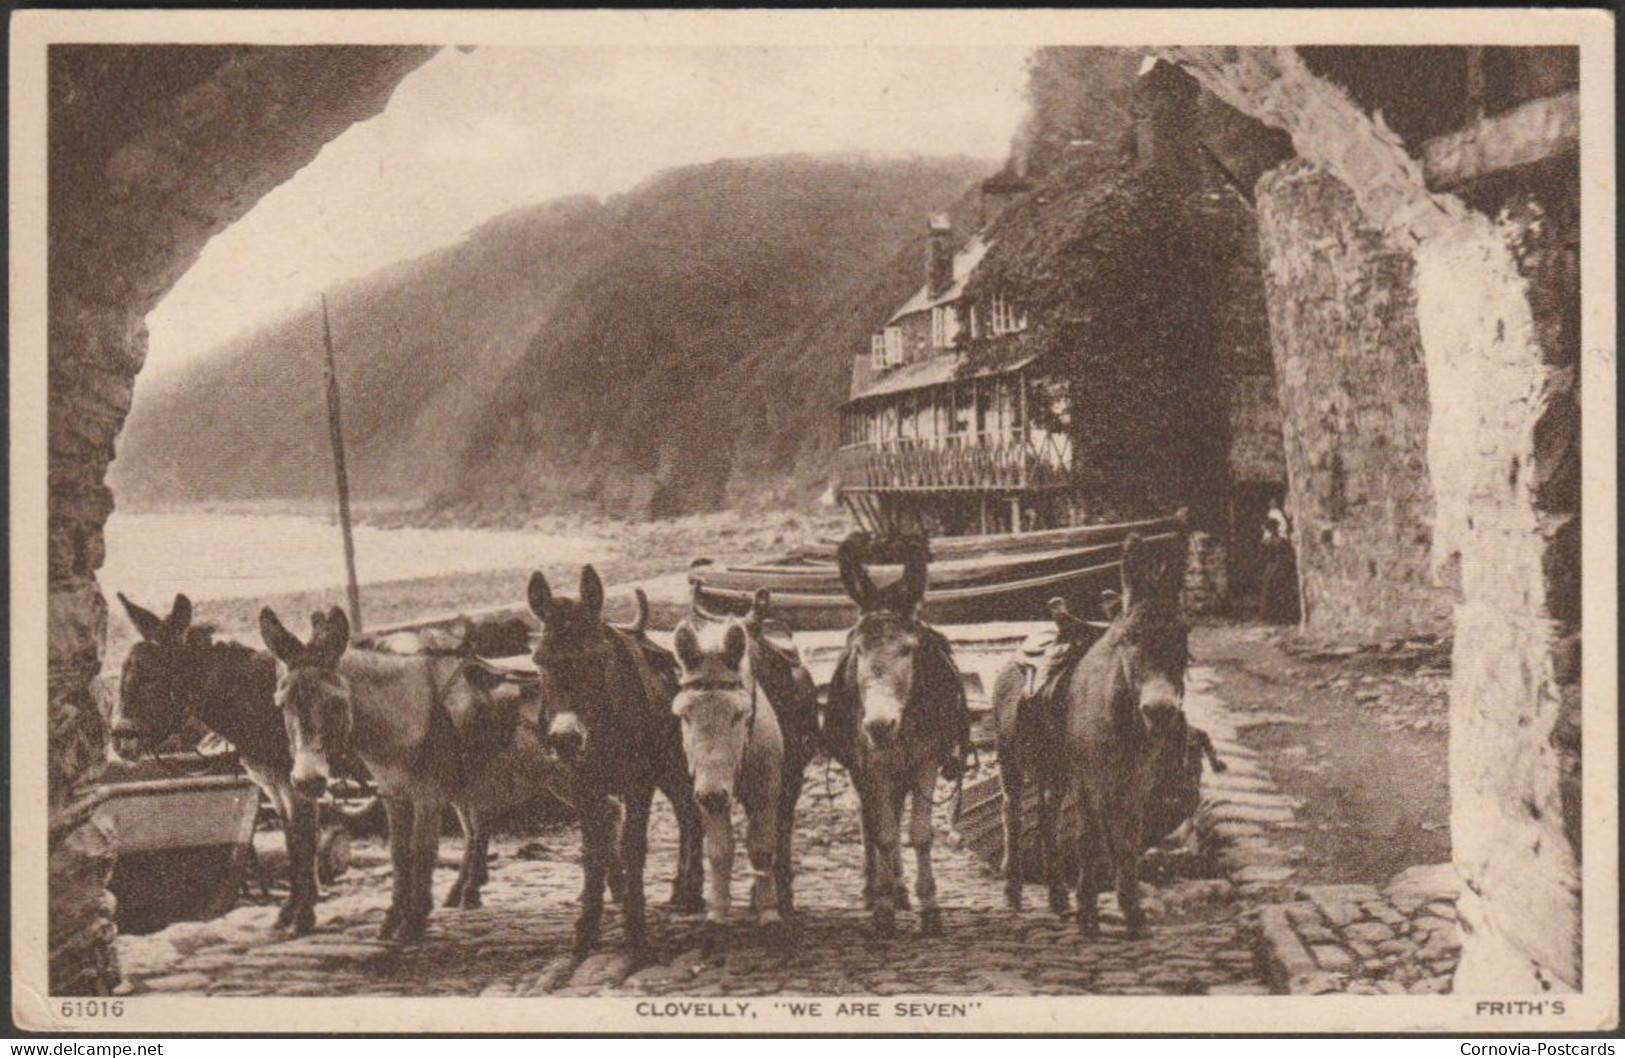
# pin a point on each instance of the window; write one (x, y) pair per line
(894, 346)
(944, 326)
(877, 351)
(1006, 320)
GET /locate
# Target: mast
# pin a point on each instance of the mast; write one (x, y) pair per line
(335, 433)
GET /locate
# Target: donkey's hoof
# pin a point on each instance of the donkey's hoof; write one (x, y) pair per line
(304, 921)
(284, 916)
(900, 898)
(1060, 902)
(1012, 897)
(391, 926)
(883, 922)
(931, 921)
(686, 905)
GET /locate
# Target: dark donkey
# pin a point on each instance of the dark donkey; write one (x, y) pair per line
(1125, 727)
(896, 716)
(609, 696)
(177, 671)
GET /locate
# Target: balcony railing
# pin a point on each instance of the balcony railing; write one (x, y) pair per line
(989, 462)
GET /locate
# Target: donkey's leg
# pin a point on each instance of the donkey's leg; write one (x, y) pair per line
(454, 896)
(471, 875)
(634, 853)
(281, 793)
(302, 885)
(899, 798)
(883, 818)
(762, 831)
(922, 833)
(1123, 841)
(1050, 795)
(426, 815)
(596, 830)
(791, 779)
(1013, 788)
(688, 887)
(719, 862)
(1089, 857)
(399, 810)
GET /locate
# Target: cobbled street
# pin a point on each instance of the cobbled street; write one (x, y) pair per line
(517, 944)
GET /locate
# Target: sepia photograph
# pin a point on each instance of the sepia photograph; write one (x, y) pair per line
(813, 522)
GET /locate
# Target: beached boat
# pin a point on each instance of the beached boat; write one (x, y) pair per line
(972, 579)
(185, 830)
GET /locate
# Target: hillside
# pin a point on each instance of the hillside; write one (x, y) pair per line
(671, 349)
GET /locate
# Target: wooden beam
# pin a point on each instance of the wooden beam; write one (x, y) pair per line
(1533, 132)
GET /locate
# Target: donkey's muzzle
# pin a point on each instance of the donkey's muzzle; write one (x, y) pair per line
(567, 744)
(881, 732)
(310, 785)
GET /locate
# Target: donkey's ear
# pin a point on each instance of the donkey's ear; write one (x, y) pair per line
(687, 645)
(539, 595)
(332, 636)
(1139, 573)
(149, 624)
(759, 605)
(180, 617)
(916, 577)
(278, 640)
(854, 578)
(592, 592)
(733, 646)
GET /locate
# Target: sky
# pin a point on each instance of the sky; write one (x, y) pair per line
(470, 135)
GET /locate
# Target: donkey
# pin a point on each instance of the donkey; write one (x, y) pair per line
(178, 671)
(430, 732)
(896, 714)
(777, 671)
(1031, 726)
(610, 719)
(735, 751)
(1124, 728)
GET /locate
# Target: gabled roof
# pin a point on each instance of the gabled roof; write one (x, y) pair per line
(935, 371)
(965, 262)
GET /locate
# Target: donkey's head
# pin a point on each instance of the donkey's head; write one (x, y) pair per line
(1152, 641)
(714, 701)
(574, 656)
(151, 700)
(314, 696)
(881, 647)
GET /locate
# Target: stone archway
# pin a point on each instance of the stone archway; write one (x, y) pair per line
(152, 151)
(1496, 298)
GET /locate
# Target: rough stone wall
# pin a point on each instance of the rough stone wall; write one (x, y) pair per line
(1499, 317)
(1348, 361)
(1497, 308)
(152, 151)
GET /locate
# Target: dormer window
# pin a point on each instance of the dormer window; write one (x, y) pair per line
(1006, 320)
(877, 351)
(893, 346)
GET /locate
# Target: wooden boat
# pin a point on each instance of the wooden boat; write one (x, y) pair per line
(972, 579)
(1008, 600)
(185, 831)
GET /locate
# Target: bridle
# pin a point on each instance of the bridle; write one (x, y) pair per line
(723, 685)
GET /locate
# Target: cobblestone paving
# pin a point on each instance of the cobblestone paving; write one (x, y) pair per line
(1202, 939)
(1356, 939)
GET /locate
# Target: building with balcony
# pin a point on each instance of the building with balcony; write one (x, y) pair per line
(926, 441)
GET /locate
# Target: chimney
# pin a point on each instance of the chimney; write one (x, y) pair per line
(939, 264)
(1165, 118)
